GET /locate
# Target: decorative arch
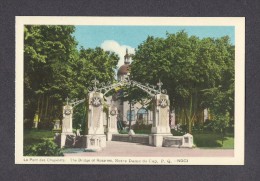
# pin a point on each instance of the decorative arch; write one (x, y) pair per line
(105, 88)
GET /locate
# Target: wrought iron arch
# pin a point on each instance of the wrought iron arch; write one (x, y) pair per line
(105, 88)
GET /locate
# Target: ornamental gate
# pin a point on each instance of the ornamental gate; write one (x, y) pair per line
(95, 137)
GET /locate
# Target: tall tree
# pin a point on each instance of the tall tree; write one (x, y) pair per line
(48, 53)
(55, 69)
(92, 64)
(187, 66)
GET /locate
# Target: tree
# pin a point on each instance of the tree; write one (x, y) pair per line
(187, 66)
(92, 63)
(48, 52)
(55, 69)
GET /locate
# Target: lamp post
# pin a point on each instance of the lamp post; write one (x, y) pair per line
(130, 102)
(130, 114)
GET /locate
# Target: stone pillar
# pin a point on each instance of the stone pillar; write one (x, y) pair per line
(95, 138)
(67, 119)
(66, 123)
(112, 122)
(160, 126)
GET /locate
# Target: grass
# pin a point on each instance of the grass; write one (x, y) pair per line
(201, 140)
(210, 139)
(34, 136)
(213, 140)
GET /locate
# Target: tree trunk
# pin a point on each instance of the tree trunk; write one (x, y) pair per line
(46, 107)
(38, 108)
(50, 112)
(86, 117)
(222, 137)
(42, 107)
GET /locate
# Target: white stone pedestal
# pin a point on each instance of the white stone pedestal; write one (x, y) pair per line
(161, 115)
(66, 124)
(94, 142)
(67, 119)
(95, 138)
(112, 122)
(160, 126)
(63, 139)
(187, 141)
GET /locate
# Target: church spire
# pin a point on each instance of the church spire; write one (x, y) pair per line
(127, 57)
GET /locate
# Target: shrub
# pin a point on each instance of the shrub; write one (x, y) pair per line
(45, 125)
(198, 127)
(139, 126)
(28, 124)
(176, 132)
(208, 126)
(46, 148)
(123, 131)
(121, 125)
(184, 128)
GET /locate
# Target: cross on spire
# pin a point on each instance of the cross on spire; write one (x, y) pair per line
(95, 81)
(160, 85)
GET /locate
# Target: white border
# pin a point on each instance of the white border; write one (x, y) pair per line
(238, 22)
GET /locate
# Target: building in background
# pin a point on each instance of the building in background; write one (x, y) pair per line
(139, 112)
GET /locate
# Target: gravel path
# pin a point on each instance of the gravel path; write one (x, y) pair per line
(126, 149)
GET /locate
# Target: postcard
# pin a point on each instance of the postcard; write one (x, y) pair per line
(130, 90)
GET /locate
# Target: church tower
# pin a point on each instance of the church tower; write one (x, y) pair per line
(127, 57)
(124, 69)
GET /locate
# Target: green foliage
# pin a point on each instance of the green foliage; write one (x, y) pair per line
(45, 125)
(187, 66)
(28, 124)
(34, 136)
(220, 122)
(55, 69)
(123, 131)
(139, 126)
(49, 52)
(121, 124)
(176, 133)
(46, 148)
(197, 74)
(79, 116)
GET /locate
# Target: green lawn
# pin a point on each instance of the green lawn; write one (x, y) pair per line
(201, 140)
(210, 140)
(34, 136)
(213, 140)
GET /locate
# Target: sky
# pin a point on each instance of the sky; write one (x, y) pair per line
(118, 38)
